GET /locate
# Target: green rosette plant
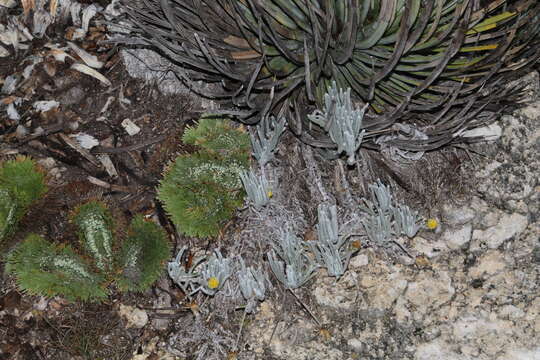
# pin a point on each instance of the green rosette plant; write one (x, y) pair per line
(201, 191)
(43, 268)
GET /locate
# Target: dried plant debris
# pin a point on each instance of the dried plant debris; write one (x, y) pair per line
(16, 33)
(194, 338)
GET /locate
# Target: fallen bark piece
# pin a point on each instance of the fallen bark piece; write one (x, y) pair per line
(89, 59)
(75, 145)
(91, 72)
(42, 106)
(108, 165)
(106, 185)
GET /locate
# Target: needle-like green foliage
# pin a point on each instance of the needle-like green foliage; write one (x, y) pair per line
(46, 269)
(142, 256)
(220, 138)
(42, 268)
(96, 233)
(201, 191)
(21, 184)
(8, 213)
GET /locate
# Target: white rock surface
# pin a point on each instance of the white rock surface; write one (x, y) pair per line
(508, 226)
(456, 238)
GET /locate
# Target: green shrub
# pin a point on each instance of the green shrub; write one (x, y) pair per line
(21, 184)
(218, 137)
(142, 256)
(201, 191)
(42, 268)
(46, 269)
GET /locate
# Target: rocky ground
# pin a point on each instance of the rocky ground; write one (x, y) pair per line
(467, 290)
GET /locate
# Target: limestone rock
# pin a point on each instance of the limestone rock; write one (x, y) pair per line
(509, 226)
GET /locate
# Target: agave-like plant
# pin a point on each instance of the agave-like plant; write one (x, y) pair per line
(434, 64)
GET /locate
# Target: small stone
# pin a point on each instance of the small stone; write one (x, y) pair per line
(3, 51)
(356, 344)
(73, 96)
(430, 290)
(453, 215)
(41, 305)
(86, 141)
(457, 238)
(429, 248)
(47, 163)
(10, 84)
(341, 296)
(135, 317)
(359, 261)
(511, 312)
(43, 106)
(21, 132)
(523, 354)
(489, 132)
(12, 113)
(489, 264)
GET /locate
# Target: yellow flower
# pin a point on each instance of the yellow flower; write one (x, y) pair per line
(213, 283)
(270, 194)
(432, 224)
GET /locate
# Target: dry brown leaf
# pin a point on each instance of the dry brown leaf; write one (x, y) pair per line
(52, 7)
(245, 55)
(50, 67)
(8, 100)
(70, 32)
(91, 72)
(87, 58)
(422, 262)
(28, 5)
(8, 3)
(236, 41)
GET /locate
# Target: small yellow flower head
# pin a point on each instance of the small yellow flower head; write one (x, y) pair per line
(432, 224)
(270, 194)
(213, 283)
